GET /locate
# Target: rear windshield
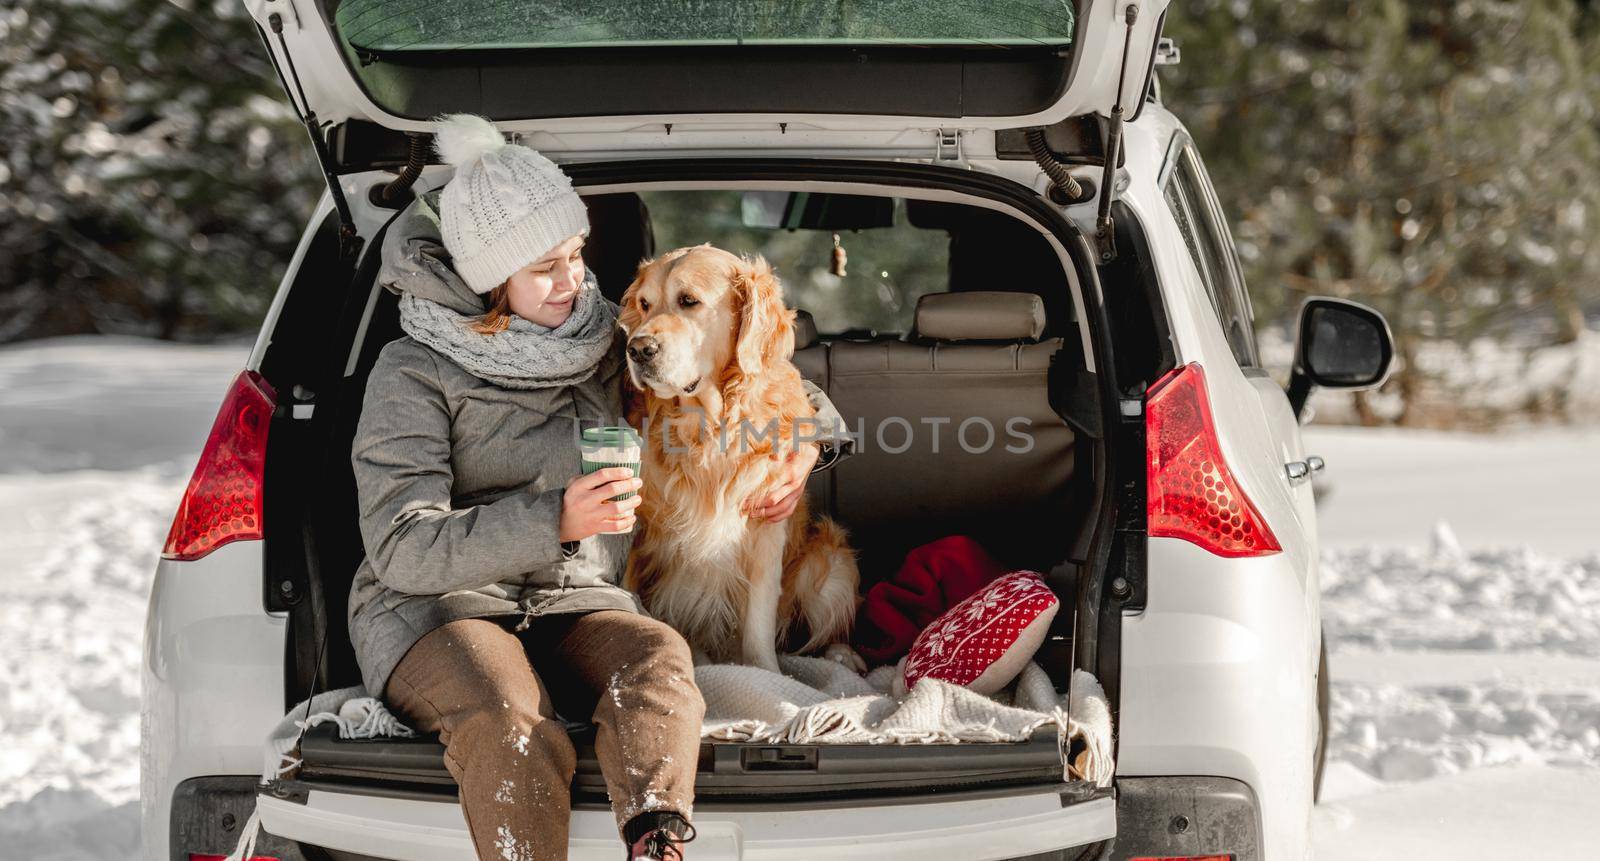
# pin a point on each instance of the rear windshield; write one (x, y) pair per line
(885, 267)
(430, 25)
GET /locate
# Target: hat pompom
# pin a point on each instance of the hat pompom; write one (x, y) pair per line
(462, 138)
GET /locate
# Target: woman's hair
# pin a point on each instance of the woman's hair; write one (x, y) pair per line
(498, 317)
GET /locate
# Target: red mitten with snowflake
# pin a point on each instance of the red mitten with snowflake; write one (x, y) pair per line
(984, 641)
(935, 577)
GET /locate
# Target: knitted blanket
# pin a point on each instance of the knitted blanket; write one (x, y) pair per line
(817, 701)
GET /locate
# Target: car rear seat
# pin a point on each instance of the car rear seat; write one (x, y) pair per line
(972, 356)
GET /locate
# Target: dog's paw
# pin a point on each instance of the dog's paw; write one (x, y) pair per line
(845, 655)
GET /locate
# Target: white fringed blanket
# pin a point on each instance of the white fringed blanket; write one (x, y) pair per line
(817, 701)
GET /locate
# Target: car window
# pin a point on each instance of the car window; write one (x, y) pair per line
(1205, 232)
(407, 25)
(887, 268)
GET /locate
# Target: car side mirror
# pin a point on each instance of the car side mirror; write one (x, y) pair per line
(1341, 345)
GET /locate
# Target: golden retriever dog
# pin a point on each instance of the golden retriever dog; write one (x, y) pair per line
(709, 349)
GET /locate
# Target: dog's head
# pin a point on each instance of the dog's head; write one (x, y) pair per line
(701, 316)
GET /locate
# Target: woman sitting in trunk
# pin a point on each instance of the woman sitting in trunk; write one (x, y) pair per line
(488, 599)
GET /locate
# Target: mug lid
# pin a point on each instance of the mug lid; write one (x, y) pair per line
(617, 435)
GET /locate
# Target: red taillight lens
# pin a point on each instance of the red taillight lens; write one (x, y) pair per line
(1191, 492)
(223, 501)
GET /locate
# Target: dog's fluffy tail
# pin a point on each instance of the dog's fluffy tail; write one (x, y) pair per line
(822, 588)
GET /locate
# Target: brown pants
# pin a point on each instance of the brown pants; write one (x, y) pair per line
(492, 696)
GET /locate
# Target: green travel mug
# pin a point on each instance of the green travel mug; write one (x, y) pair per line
(604, 447)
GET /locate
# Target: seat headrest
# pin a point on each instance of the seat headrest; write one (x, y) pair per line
(980, 315)
(805, 329)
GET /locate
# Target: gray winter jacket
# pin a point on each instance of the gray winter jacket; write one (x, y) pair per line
(460, 482)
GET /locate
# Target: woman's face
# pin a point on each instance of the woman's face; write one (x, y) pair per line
(544, 291)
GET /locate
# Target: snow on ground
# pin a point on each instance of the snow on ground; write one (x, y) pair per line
(71, 615)
(109, 403)
(1465, 661)
(1445, 661)
(1512, 812)
(97, 437)
(1461, 599)
(1537, 488)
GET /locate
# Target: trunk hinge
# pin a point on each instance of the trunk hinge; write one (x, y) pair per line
(349, 240)
(1105, 226)
(947, 149)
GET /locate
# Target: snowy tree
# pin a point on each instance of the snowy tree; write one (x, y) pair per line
(153, 179)
(1438, 159)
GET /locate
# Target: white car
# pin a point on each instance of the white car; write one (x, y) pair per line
(1164, 488)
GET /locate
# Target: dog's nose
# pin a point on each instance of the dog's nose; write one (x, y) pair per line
(643, 348)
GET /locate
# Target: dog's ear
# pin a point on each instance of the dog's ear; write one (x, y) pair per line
(629, 314)
(766, 327)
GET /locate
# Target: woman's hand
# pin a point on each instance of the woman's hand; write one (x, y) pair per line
(781, 501)
(585, 511)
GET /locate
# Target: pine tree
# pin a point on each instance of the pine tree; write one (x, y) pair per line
(152, 177)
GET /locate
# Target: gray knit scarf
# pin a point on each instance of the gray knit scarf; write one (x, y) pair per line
(526, 355)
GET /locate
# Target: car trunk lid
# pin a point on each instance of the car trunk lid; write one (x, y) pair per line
(587, 76)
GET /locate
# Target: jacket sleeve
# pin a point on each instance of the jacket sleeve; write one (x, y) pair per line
(415, 539)
(832, 433)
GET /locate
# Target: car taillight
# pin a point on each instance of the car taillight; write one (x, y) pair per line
(193, 856)
(223, 500)
(1191, 492)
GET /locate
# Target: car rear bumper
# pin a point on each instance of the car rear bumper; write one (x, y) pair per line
(991, 825)
(1152, 817)
(207, 815)
(1187, 817)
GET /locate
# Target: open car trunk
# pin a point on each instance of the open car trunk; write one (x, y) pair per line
(1046, 510)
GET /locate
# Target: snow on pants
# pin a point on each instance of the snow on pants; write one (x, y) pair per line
(492, 695)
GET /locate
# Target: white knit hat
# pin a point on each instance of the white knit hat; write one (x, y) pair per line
(506, 206)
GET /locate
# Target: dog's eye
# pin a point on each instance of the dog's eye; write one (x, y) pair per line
(687, 301)
(644, 305)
